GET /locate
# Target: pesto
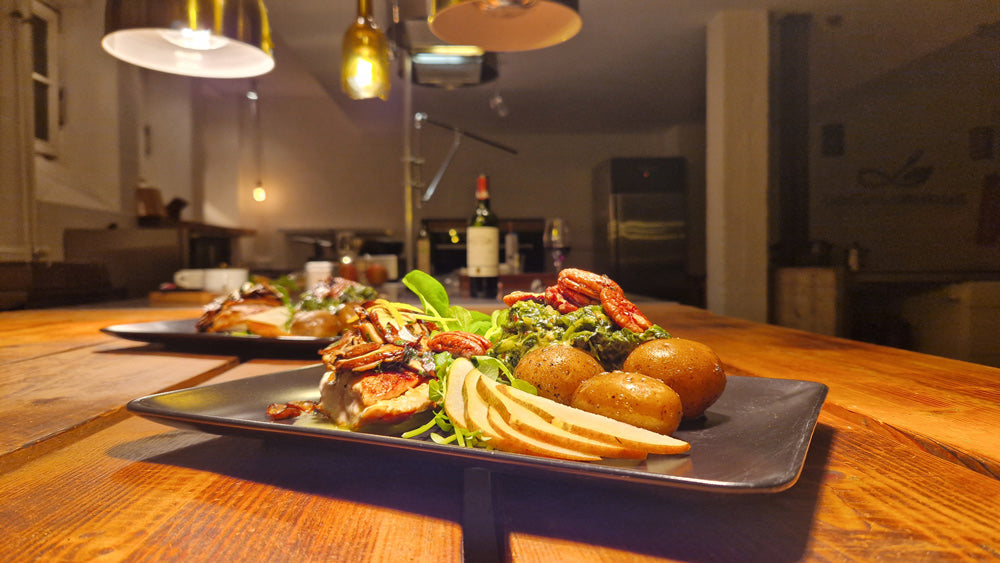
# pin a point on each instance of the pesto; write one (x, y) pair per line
(526, 325)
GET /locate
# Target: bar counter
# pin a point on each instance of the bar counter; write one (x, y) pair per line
(903, 466)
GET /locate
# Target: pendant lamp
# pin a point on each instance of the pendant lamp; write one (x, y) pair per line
(364, 70)
(258, 193)
(505, 25)
(204, 38)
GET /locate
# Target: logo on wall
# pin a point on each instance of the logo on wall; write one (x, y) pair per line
(895, 186)
(909, 175)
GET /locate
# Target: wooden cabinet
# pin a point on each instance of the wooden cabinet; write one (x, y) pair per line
(809, 299)
(960, 321)
(950, 314)
(139, 260)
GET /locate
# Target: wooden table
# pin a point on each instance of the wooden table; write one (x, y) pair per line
(903, 466)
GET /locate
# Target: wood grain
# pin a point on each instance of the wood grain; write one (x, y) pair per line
(861, 497)
(142, 492)
(943, 406)
(902, 467)
(30, 334)
(60, 377)
(62, 392)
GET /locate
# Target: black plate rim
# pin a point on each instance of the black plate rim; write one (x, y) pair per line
(151, 407)
(183, 333)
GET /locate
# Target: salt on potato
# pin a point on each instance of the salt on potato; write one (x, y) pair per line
(556, 370)
(690, 368)
(632, 398)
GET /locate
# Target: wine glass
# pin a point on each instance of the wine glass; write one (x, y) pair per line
(556, 240)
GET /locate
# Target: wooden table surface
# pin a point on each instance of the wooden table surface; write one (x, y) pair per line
(903, 466)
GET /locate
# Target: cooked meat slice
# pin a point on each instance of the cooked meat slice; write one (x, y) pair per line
(228, 313)
(232, 317)
(354, 400)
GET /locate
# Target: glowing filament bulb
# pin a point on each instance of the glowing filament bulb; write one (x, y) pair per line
(259, 193)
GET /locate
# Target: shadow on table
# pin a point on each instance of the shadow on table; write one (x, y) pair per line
(671, 523)
(345, 471)
(659, 521)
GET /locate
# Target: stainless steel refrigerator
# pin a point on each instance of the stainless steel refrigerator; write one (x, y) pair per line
(642, 227)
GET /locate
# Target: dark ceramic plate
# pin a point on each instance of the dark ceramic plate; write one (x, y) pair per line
(182, 334)
(753, 439)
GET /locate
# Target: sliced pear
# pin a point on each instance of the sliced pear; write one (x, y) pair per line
(596, 426)
(502, 436)
(532, 424)
(476, 412)
(454, 403)
(524, 443)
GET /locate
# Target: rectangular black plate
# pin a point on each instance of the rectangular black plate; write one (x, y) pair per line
(183, 335)
(753, 439)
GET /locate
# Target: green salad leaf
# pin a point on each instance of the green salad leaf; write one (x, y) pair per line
(434, 299)
(431, 293)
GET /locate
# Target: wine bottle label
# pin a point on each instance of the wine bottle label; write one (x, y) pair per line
(483, 251)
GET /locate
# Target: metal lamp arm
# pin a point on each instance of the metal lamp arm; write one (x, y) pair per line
(420, 118)
(432, 187)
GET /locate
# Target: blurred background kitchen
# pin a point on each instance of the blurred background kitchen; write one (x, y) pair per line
(830, 165)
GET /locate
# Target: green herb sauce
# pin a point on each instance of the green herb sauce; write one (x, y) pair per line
(527, 325)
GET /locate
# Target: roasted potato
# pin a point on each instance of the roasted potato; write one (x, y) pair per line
(632, 398)
(690, 368)
(556, 370)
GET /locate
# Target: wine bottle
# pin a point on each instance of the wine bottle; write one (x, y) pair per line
(482, 240)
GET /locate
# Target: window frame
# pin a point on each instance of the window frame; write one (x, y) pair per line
(48, 148)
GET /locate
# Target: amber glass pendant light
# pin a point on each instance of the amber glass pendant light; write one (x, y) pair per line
(364, 71)
(204, 38)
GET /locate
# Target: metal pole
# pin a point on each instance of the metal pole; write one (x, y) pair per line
(410, 238)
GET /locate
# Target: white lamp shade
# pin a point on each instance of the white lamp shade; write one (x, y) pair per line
(204, 38)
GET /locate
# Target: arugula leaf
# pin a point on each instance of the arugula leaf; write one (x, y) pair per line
(492, 368)
(432, 294)
(471, 321)
(434, 298)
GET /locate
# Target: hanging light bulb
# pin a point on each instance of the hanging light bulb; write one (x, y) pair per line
(259, 193)
(364, 71)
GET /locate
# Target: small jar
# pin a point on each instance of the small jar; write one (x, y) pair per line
(317, 272)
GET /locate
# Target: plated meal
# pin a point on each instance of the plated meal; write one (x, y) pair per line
(576, 372)
(279, 308)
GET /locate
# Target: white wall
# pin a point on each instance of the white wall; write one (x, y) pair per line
(16, 186)
(737, 159)
(82, 186)
(165, 132)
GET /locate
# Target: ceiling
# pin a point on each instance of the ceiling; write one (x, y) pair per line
(637, 65)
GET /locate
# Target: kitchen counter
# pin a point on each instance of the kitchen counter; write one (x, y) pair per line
(903, 466)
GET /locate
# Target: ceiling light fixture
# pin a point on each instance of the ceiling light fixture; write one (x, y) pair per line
(505, 25)
(204, 38)
(451, 66)
(364, 71)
